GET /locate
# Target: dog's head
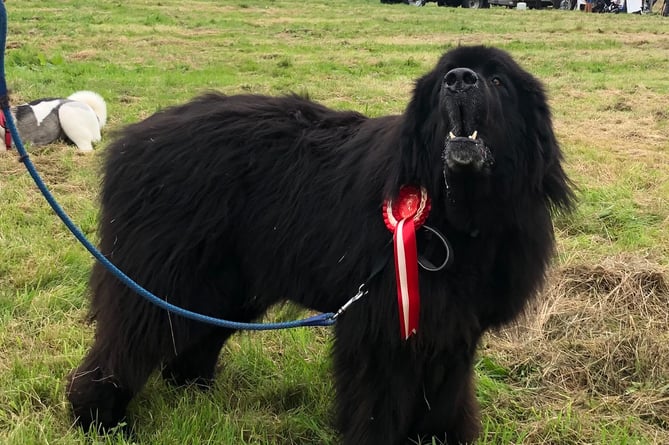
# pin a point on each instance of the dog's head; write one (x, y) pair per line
(482, 126)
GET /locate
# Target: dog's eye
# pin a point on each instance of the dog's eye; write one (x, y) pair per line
(496, 81)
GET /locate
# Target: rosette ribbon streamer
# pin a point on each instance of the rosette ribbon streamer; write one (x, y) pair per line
(402, 217)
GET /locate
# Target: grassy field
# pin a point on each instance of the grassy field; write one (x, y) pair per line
(589, 365)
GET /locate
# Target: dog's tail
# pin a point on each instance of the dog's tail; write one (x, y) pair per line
(95, 101)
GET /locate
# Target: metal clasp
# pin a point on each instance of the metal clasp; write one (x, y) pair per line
(361, 293)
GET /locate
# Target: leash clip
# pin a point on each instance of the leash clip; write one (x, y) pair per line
(361, 293)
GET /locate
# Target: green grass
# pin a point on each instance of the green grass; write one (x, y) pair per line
(594, 371)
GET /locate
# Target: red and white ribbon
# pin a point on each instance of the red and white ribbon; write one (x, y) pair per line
(402, 217)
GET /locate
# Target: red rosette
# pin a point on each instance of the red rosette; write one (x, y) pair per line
(402, 217)
(411, 201)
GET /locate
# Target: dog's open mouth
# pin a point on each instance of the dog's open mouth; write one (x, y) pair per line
(466, 152)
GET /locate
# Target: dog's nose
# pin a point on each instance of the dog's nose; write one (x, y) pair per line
(460, 80)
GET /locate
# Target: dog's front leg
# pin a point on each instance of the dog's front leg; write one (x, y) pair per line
(449, 411)
(376, 388)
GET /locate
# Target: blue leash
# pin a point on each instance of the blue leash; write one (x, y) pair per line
(326, 319)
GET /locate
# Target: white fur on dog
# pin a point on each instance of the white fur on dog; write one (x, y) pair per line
(95, 101)
(80, 124)
(43, 109)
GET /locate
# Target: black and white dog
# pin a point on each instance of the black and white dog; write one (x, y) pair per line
(78, 118)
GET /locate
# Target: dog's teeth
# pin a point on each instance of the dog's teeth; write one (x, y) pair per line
(451, 135)
(474, 134)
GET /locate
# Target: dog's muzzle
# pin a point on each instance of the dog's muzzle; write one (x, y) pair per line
(462, 98)
(462, 153)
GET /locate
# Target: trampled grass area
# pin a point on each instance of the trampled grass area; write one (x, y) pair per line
(589, 365)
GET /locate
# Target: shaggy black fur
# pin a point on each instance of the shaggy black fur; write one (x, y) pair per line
(228, 204)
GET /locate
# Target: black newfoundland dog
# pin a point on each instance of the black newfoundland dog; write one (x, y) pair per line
(229, 204)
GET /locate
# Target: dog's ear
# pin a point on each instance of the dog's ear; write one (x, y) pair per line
(419, 129)
(548, 175)
(419, 117)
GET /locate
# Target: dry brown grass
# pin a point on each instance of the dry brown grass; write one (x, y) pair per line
(598, 341)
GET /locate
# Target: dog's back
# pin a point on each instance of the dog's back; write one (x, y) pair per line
(38, 121)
